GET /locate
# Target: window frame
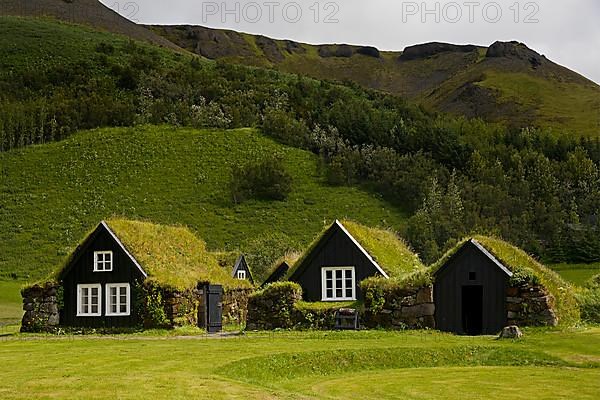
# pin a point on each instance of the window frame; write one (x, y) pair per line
(324, 271)
(241, 274)
(108, 304)
(90, 286)
(104, 262)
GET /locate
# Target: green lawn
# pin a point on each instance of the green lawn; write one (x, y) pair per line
(53, 194)
(546, 364)
(11, 305)
(578, 274)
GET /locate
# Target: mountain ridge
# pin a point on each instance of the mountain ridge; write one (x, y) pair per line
(505, 82)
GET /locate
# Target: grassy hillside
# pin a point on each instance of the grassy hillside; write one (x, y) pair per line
(88, 12)
(53, 194)
(507, 87)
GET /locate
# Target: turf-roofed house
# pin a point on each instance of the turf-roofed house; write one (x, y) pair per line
(483, 284)
(344, 255)
(132, 274)
(335, 282)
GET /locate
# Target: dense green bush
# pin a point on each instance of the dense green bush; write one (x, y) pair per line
(274, 306)
(593, 282)
(589, 304)
(149, 303)
(377, 289)
(320, 315)
(285, 127)
(265, 179)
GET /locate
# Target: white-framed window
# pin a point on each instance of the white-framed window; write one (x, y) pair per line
(241, 274)
(118, 299)
(338, 284)
(103, 261)
(88, 300)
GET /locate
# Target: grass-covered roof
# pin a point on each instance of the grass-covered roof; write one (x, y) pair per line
(172, 256)
(289, 258)
(385, 247)
(525, 269)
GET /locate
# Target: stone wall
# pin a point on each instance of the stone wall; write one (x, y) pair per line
(280, 306)
(274, 307)
(41, 304)
(181, 307)
(400, 308)
(530, 305)
(235, 306)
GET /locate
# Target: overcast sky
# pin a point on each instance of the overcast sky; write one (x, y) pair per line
(567, 32)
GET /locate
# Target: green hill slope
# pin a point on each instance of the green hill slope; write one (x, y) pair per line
(506, 82)
(52, 194)
(88, 12)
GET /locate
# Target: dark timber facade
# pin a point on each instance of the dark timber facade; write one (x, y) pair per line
(470, 292)
(334, 267)
(99, 282)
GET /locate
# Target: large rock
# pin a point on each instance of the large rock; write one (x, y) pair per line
(294, 47)
(427, 50)
(515, 50)
(425, 295)
(368, 51)
(342, 50)
(270, 49)
(510, 332)
(420, 310)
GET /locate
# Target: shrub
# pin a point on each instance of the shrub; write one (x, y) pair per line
(105, 48)
(265, 179)
(377, 289)
(274, 306)
(150, 304)
(589, 304)
(284, 127)
(320, 315)
(593, 282)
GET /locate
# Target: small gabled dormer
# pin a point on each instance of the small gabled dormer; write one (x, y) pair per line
(241, 270)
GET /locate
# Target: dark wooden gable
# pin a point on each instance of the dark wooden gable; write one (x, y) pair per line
(336, 248)
(80, 270)
(470, 292)
(242, 265)
(277, 274)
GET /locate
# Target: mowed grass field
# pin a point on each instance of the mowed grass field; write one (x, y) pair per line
(546, 364)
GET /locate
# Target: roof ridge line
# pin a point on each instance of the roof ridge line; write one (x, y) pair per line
(362, 249)
(116, 238)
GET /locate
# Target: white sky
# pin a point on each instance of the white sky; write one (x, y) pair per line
(567, 32)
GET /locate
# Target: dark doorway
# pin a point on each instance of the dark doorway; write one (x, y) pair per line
(472, 310)
(210, 311)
